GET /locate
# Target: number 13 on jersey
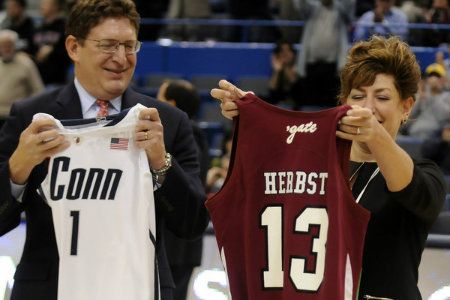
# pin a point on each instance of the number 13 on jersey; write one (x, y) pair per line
(303, 281)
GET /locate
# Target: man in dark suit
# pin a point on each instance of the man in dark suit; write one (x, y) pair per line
(96, 31)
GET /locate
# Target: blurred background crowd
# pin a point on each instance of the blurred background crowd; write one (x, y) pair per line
(309, 40)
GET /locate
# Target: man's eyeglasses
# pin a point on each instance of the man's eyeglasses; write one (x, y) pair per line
(111, 46)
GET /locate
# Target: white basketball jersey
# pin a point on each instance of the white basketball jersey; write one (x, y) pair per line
(100, 191)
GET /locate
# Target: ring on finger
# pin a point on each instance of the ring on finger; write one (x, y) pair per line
(146, 135)
(358, 131)
(41, 139)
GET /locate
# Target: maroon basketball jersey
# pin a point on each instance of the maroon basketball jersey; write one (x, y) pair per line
(286, 223)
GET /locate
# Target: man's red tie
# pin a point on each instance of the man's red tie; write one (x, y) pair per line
(103, 104)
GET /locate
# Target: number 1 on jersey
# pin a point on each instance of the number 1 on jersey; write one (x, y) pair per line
(272, 219)
(75, 214)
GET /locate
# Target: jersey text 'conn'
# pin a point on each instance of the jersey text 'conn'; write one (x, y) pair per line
(79, 183)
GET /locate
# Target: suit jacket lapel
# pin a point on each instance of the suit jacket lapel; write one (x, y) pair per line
(67, 105)
(130, 98)
(68, 102)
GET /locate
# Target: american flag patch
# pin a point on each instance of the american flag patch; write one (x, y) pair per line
(119, 143)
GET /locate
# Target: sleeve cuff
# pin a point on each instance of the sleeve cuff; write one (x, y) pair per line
(17, 190)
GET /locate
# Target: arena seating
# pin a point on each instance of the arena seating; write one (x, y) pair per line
(411, 145)
(257, 84)
(206, 62)
(439, 236)
(233, 60)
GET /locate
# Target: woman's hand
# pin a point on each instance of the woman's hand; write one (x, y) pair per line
(359, 124)
(227, 93)
(372, 142)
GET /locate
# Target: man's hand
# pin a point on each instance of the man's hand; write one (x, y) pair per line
(150, 136)
(38, 141)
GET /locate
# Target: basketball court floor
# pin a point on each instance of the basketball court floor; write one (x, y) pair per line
(209, 280)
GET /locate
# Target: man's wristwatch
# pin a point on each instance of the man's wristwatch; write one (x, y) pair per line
(157, 174)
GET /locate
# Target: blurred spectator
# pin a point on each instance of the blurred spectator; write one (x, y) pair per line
(219, 169)
(438, 14)
(218, 6)
(363, 6)
(385, 19)
(2, 12)
(19, 76)
(183, 94)
(185, 255)
(18, 21)
(154, 9)
(324, 49)
(438, 149)
(251, 10)
(432, 109)
(284, 73)
(68, 6)
(440, 59)
(51, 56)
(188, 9)
(288, 11)
(217, 174)
(415, 14)
(445, 62)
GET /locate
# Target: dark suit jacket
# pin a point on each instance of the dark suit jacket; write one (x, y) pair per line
(179, 202)
(188, 253)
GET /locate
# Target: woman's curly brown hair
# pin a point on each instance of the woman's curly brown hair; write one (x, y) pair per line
(380, 55)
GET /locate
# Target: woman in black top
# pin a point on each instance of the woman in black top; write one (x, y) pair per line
(404, 195)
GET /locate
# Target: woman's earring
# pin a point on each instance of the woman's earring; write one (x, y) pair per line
(404, 120)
